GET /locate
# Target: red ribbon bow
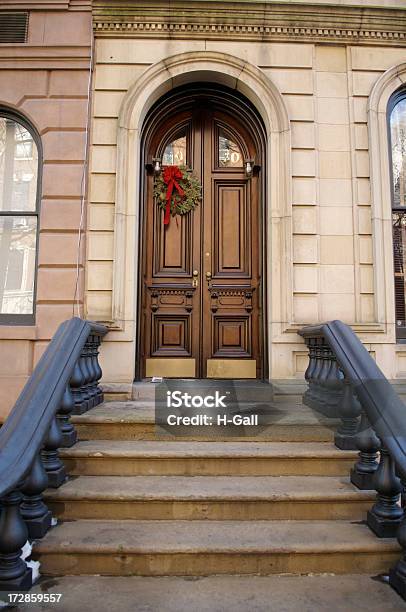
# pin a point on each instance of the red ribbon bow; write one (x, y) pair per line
(170, 176)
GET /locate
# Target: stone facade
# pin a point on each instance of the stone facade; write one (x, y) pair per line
(320, 77)
(321, 246)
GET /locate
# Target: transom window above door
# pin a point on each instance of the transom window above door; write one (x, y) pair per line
(175, 152)
(19, 188)
(229, 152)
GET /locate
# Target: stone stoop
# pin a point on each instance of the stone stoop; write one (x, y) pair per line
(139, 505)
(277, 593)
(145, 390)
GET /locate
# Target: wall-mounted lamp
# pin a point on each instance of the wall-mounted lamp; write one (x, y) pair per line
(156, 163)
(249, 167)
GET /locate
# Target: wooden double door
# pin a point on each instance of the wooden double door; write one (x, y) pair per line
(201, 280)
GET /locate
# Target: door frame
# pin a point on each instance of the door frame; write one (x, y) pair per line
(182, 97)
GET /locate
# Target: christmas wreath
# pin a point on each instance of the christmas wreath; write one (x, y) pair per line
(177, 191)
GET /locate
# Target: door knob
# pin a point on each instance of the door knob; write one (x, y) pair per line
(195, 275)
(208, 276)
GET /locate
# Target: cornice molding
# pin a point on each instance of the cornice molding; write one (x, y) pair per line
(245, 32)
(45, 5)
(249, 21)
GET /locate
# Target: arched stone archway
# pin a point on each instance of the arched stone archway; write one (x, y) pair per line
(381, 203)
(148, 88)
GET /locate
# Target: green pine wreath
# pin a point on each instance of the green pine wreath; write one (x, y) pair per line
(179, 204)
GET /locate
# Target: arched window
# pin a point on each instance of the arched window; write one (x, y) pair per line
(20, 159)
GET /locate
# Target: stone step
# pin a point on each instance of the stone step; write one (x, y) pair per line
(289, 388)
(134, 458)
(209, 497)
(290, 421)
(315, 593)
(261, 391)
(184, 548)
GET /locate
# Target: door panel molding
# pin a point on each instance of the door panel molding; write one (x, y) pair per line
(171, 333)
(232, 336)
(172, 246)
(231, 218)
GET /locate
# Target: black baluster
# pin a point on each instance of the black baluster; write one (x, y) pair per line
(334, 383)
(385, 516)
(69, 435)
(14, 573)
(92, 385)
(310, 372)
(324, 376)
(324, 373)
(96, 341)
(368, 444)
(403, 494)
(50, 456)
(98, 370)
(330, 383)
(34, 511)
(76, 383)
(349, 411)
(397, 574)
(321, 391)
(312, 398)
(86, 378)
(311, 344)
(310, 366)
(316, 395)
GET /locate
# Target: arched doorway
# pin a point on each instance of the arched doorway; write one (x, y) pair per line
(202, 295)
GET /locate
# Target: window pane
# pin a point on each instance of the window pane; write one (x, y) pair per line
(230, 155)
(399, 260)
(18, 167)
(398, 138)
(175, 153)
(17, 264)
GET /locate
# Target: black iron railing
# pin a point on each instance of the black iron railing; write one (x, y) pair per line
(65, 381)
(344, 381)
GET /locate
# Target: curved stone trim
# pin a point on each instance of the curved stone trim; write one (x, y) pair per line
(381, 202)
(385, 86)
(211, 66)
(253, 83)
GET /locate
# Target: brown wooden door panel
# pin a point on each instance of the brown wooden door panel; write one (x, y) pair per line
(232, 336)
(173, 255)
(171, 335)
(186, 314)
(231, 223)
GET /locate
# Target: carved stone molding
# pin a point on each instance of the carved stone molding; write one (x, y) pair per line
(248, 32)
(251, 21)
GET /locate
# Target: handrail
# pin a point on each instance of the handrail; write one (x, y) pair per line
(344, 380)
(385, 410)
(65, 378)
(25, 428)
